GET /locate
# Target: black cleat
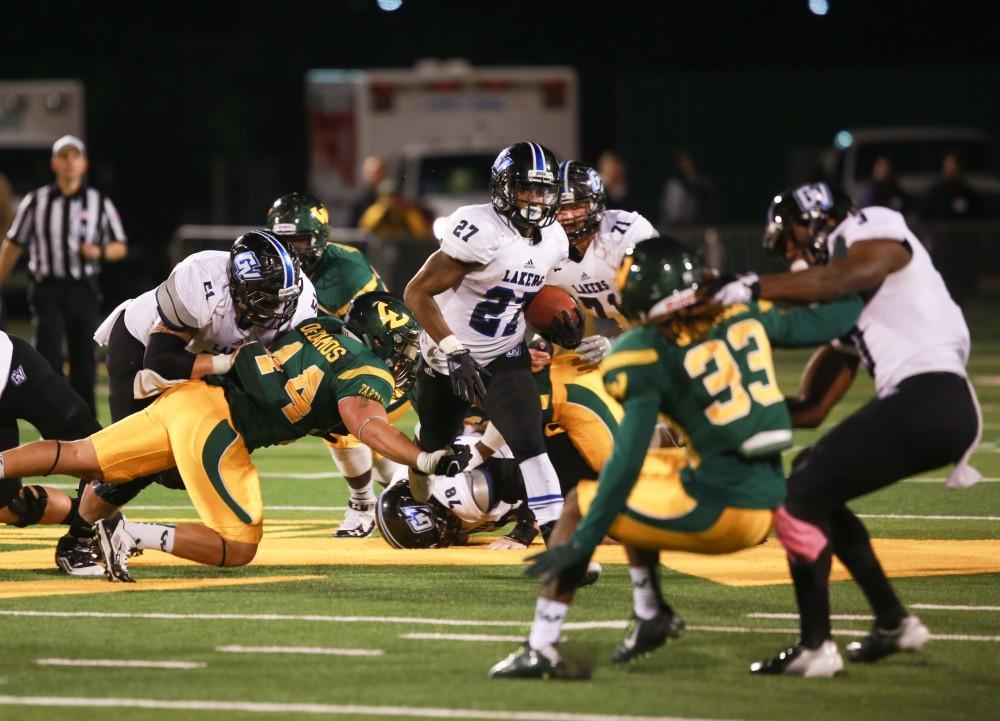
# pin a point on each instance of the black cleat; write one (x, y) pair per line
(798, 660)
(645, 636)
(911, 635)
(77, 557)
(526, 662)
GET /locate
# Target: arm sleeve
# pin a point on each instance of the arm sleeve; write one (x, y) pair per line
(468, 236)
(167, 356)
(809, 325)
(20, 230)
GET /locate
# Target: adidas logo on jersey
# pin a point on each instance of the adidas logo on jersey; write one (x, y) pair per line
(584, 276)
(529, 264)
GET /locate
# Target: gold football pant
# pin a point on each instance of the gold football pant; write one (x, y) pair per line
(661, 515)
(189, 426)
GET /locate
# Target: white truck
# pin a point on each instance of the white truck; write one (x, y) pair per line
(438, 126)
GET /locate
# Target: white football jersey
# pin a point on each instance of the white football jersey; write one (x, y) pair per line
(6, 356)
(592, 280)
(202, 285)
(484, 311)
(911, 325)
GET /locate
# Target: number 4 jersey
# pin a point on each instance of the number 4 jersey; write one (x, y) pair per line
(484, 311)
(293, 391)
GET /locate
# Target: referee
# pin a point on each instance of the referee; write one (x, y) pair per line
(68, 228)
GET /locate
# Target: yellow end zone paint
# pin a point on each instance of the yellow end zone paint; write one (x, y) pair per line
(65, 586)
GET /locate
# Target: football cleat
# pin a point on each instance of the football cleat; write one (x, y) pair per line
(76, 557)
(647, 635)
(911, 635)
(593, 575)
(114, 547)
(526, 662)
(359, 521)
(798, 660)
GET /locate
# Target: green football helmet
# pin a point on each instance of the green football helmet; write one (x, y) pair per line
(303, 224)
(657, 278)
(383, 323)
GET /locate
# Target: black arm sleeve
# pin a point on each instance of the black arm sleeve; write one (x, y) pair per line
(167, 356)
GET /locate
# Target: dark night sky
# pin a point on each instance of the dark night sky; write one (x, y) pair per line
(172, 90)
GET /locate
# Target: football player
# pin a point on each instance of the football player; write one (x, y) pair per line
(30, 390)
(598, 238)
(913, 339)
(187, 327)
(469, 295)
(312, 381)
(711, 370)
(339, 273)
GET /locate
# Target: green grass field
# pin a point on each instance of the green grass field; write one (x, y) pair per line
(320, 626)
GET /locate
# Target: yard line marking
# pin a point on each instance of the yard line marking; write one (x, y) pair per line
(986, 479)
(137, 507)
(944, 607)
(833, 616)
(314, 650)
(301, 476)
(117, 663)
(919, 517)
(458, 637)
(431, 622)
(286, 709)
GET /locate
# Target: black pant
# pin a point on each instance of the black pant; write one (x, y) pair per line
(67, 307)
(125, 354)
(929, 422)
(511, 403)
(35, 393)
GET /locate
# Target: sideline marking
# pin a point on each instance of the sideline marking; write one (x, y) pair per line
(314, 650)
(117, 663)
(316, 708)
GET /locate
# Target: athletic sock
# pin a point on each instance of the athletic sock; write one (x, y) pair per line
(545, 629)
(157, 536)
(364, 495)
(541, 483)
(645, 599)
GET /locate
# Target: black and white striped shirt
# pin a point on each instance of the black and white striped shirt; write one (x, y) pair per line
(53, 226)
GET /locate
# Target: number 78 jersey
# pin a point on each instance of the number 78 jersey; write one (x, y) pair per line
(485, 311)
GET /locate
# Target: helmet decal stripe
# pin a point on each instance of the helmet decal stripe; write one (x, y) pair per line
(564, 172)
(537, 155)
(286, 260)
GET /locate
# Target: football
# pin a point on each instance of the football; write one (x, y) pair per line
(549, 302)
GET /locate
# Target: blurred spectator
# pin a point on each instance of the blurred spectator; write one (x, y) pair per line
(883, 189)
(688, 195)
(6, 205)
(611, 168)
(393, 216)
(372, 173)
(955, 254)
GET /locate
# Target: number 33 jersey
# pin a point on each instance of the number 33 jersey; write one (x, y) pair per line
(591, 280)
(484, 310)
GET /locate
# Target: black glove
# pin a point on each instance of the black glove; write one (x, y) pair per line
(467, 377)
(549, 564)
(565, 331)
(455, 462)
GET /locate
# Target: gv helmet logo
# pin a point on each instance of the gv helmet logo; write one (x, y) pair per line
(815, 195)
(418, 518)
(247, 266)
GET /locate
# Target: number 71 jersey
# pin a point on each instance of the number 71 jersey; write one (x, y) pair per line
(485, 311)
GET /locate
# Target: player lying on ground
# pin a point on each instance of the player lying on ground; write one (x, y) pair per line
(711, 371)
(313, 381)
(339, 274)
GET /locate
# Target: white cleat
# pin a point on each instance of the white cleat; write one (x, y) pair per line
(359, 521)
(823, 662)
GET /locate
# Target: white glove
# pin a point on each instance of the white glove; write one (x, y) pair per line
(740, 290)
(427, 462)
(593, 348)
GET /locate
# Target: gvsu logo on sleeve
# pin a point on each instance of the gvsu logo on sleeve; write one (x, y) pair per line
(247, 266)
(418, 518)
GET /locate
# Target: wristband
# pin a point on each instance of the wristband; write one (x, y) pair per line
(222, 363)
(450, 345)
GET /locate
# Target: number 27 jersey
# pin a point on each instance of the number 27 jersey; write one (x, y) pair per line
(485, 311)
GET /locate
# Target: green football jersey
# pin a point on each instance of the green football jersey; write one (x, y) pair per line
(292, 391)
(342, 274)
(720, 390)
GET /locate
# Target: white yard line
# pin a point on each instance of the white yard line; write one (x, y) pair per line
(921, 517)
(117, 663)
(307, 650)
(300, 476)
(833, 616)
(986, 479)
(944, 607)
(286, 709)
(458, 637)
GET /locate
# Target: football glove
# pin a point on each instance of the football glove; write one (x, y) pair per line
(550, 564)
(468, 378)
(444, 462)
(730, 291)
(593, 348)
(565, 332)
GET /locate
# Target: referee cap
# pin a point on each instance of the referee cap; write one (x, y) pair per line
(71, 141)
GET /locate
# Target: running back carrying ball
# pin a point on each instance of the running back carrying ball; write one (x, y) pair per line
(548, 304)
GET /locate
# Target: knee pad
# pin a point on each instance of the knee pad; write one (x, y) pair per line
(9, 488)
(170, 478)
(801, 539)
(29, 505)
(352, 462)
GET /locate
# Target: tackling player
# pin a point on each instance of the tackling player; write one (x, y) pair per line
(339, 273)
(711, 370)
(469, 295)
(914, 341)
(313, 381)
